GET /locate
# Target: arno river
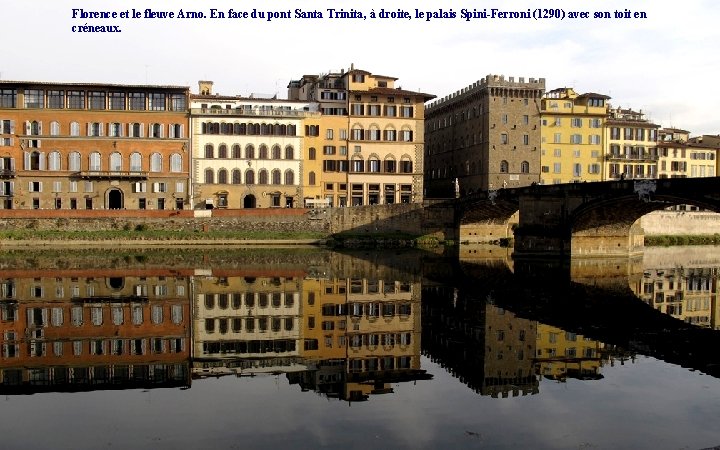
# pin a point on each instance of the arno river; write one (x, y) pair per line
(216, 348)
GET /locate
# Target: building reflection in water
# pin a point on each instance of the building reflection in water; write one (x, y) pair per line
(686, 293)
(346, 338)
(93, 329)
(349, 331)
(499, 354)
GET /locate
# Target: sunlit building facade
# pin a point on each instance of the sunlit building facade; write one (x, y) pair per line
(631, 146)
(572, 136)
(93, 146)
(247, 152)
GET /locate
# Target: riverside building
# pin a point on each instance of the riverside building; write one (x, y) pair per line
(371, 137)
(485, 136)
(93, 146)
(247, 151)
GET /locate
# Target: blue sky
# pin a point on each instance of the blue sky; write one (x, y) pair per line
(664, 65)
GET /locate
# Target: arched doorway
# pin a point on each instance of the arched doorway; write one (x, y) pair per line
(115, 199)
(249, 201)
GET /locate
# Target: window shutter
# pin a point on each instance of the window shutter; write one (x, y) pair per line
(102, 129)
(171, 131)
(89, 129)
(26, 160)
(43, 165)
(12, 127)
(182, 131)
(142, 130)
(40, 128)
(27, 127)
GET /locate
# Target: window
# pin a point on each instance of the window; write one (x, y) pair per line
(594, 139)
(175, 162)
(95, 161)
(117, 101)
(34, 98)
(525, 167)
(178, 102)
(556, 167)
(76, 99)
(157, 102)
(54, 161)
(56, 99)
(504, 167)
(115, 161)
(135, 162)
(74, 161)
(576, 122)
(156, 162)
(503, 138)
(557, 138)
(96, 100)
(329, 133)
(576, 138)
(137, 101)
(312, 153)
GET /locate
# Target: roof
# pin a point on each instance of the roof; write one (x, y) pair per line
(394, 91)
(91, 84)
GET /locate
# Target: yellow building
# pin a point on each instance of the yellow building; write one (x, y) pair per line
(325, 163)
(572, 136)
(561, 354)
(631, 146)
(382, 140)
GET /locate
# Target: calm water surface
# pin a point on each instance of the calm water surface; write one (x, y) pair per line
(286, 348)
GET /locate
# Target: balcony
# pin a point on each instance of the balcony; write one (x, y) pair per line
(280, 113)
(112, 175)
(643, 157)
(7, 173)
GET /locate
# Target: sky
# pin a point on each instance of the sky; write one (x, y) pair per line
(664, 64)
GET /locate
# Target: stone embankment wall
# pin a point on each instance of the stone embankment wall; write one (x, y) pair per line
(680, 223)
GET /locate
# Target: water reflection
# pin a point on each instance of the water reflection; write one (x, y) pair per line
(346, 326)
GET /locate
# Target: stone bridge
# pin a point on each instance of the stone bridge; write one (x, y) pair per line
(577, 219)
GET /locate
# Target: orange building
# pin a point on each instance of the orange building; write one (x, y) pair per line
(93, 146)
(93, 329)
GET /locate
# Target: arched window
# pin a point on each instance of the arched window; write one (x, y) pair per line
(95, 161)
(222, 151)
(264, 129)
(236, 176)
(74, 161)
(289, 152)
(311, 178)
(116, 161)
(54, 161)
(236, 152)
(312, 153)
(373, 164)
(389, 165)
(135, 162)
(156, 162)
(222, 176)
(250, 152)
(249, 176)
(503, 166)
(525, 167)
(291, 130)
(276, 152)
(54, 128)
(226, 128)
(209, 176)
(358, 165)
(263, 152)
(406, 165)
(262, 177)
(276, 176)
(74, 129)
(176, 162)
(289, 177)
(209, 150)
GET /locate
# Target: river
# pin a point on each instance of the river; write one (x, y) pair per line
(224, 348)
